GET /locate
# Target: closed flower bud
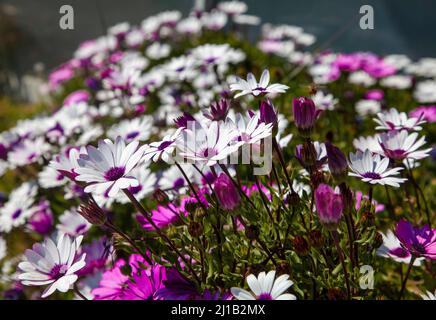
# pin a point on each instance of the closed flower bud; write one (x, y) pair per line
(93, 213)
(218, 110)
(252, 232)
(368, 219)
(305, 115)
(195, 229)
(268, 114)
(292, 199)
(300, 245)
(316, 238)
(378, 240)
(306, 154)
(336, 294)
(226, 192)
(41, 220)
(316, 178)
(329, 206)
(337, 162)
(283, 268)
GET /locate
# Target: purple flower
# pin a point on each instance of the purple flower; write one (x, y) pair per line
(176, 287)
(305, 114)
(76, 97)
(375, 94)
(162, 216)
(268, 113)
(425, 112)
(337, 162)
(226, 192)
(41, 220)
(420, 242)
(218, 110)
(329, 205)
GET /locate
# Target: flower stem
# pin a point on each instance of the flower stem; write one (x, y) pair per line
(191, 187)
(76, 290)
(170, 243)
(403, 285)
(283, 164)
(335, 237)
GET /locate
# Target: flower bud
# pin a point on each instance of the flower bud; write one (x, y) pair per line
(218, 110)
(305, 115)
(316, 238)
(93, 213)
(329, 206)
(268, 115)
(292, 199)
(306, 154)
(300, 245)
(337, 162)
(252, 232)
(368, 219)
(226, 192)
(336, 294)
(195, 229)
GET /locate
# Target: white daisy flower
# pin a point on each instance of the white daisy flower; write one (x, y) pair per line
(429, 296)
(208, 145)
(52, 264)
(3, 248)
(397, 81)
(67, 162)
(106, 169)
(72, 223)
(373, 168)
(394, 120)
(250, 129)
(391, 248)
(51, 178)
(324, 101)
(425, 91)
(251, 86)
(365, 107)
(28, 152)
(232, 7)
(361, 78)
(139, 129)
(147, 183)
(164, 149)
(369, 142)
(265, 287)
(400, 145)
(18, 208)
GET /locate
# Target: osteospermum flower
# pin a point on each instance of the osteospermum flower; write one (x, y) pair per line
(18, 208)
(400, 145)
(52, 264)
(251, 86)
(373, 168)
(208, 145)
(136, 129)
(429, 296)
(3, 248)
(265, 287)
(72, 223)
(106, 169)
(394, 120)
(419, 242)
(164, 149)
(391, 248)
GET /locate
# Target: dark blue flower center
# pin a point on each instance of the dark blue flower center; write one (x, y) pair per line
(264, 296)
(58, 270)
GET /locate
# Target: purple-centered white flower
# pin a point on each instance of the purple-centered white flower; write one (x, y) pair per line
(251, 86)
(72, 223)
(391, 248)
(106, 169)
(400, 145)
(164, 149)
(394, 120)
(52, 264)
(208, 144)
(136, 129)
(265, 287)
(374, 169)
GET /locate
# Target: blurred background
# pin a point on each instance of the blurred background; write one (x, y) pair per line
(32, 43)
